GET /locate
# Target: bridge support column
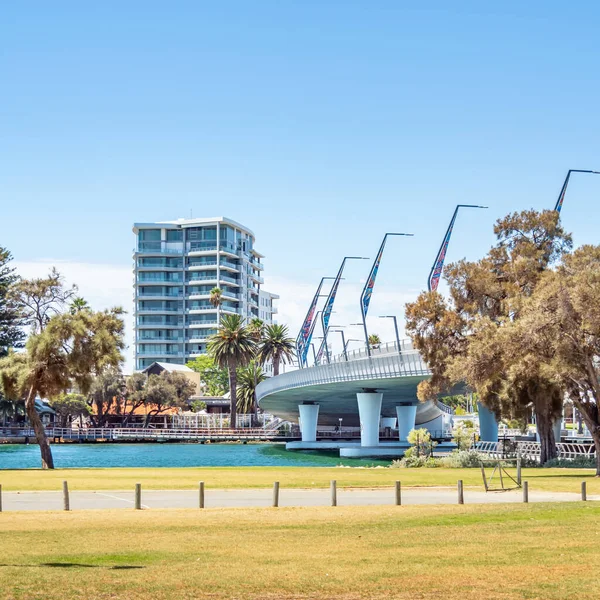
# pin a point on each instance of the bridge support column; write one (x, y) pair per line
(309, 415)
(488, 425)
(369, 411)
(407, 414)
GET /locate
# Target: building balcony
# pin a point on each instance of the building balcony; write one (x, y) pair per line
(162, 340)
(203, 278)
(158, 326)
(257, 264)
(158, 269)
(149, 248)
(153, 281)
(201, 324)
(201, 266)
(230, 280)
(158, 296)
(201, 309)
(141, 311)
(229, 251)
(229, 266)
(159, 353)
(257, 278)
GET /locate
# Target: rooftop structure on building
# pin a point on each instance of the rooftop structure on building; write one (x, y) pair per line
(176, 264)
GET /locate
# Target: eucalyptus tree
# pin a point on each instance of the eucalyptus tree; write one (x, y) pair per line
(232, 347)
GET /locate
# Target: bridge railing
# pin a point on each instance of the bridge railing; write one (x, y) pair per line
(383, 366)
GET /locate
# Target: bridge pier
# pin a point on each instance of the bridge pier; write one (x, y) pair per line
(488, 425)
(407, 414)
(309, 415)
(369, 411)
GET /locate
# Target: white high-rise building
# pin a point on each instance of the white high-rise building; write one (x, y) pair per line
(177, 263)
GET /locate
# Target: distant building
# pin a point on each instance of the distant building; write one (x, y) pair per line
(176, 264)
(157, 368)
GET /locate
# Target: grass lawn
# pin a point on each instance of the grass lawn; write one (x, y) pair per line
(563, 480)
(545, 551)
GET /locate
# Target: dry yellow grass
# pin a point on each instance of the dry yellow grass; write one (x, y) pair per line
(452, 552)
(563, 480)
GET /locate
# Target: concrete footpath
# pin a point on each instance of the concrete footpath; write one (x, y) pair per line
(161, 499)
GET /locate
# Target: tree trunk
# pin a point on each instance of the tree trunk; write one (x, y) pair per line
(232, 396)
(40, 433)
(546, 435)
(276, 361)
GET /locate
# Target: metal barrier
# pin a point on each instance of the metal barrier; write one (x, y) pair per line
(383, 366)
(532, 450)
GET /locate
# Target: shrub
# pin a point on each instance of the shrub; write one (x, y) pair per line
(467, 459)
(414, 462)
(420, 439)
(462, 436)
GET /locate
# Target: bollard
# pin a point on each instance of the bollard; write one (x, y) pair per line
(526, 491)
(66, 505)
(201, 495)
(583, 491)
(518, 466)
(276, 494)
(398, 494)
(461, 499)
(333, 493)
(138, 496)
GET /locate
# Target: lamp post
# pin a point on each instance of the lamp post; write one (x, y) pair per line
(341, 331)
(395, 328)
(328, 308)
(365, 297)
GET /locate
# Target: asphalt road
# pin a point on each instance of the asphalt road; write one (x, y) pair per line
(161, 499)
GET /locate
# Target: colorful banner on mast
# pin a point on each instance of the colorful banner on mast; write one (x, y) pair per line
(438, 267)
(304, 337)
(365, 298)
(563, 191)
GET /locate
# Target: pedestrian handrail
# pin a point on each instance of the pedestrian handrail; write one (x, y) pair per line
(123, 433)
(532, 450)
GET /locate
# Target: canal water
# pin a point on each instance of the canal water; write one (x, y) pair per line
(21, 456)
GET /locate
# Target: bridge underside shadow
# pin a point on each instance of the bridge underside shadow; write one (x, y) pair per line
(338, 400)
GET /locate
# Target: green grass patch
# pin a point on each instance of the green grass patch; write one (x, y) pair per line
(489, 552)
(563, 480)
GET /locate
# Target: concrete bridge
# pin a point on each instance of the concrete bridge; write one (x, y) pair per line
(372, 392)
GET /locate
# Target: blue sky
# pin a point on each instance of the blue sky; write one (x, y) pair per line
(320, 125)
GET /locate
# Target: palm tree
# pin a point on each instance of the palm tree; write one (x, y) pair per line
(216, 297)
(248, 378)
(78, 304)
(276, 346)
(232, 347)
(257, 329)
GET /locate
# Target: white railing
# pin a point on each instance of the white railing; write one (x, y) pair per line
(140, 433)
(531, 450)
(383, 366)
